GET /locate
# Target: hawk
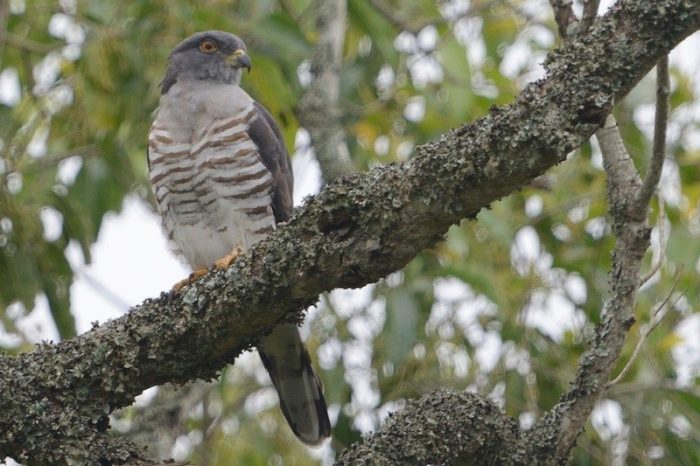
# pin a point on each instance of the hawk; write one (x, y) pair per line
(222, 181)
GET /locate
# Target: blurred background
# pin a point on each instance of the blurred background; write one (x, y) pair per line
(502, 306)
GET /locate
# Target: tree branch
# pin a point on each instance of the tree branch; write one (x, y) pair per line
(628, 200)
(564, 422)
(657, 316)
(356, 231)
(425, 432)
(564, 16)
(658, 153)
(318, 108)
(590, 10)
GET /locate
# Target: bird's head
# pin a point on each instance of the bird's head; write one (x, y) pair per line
(214, 56)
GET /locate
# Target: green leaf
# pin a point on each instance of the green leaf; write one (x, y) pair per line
(56, 276)
(282, 38)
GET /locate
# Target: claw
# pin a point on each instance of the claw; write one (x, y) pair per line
(224, 262)
(189, 280)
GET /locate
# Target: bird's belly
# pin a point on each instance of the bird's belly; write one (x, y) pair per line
(221, 202)
(201, 245)
(207, 234)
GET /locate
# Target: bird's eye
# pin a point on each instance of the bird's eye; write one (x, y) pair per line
(208, 46)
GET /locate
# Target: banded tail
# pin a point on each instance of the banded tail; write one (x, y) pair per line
(300, 391)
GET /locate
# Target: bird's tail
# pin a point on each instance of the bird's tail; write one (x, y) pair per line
(300, 391)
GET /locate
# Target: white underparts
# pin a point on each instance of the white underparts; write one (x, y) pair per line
(211, 187)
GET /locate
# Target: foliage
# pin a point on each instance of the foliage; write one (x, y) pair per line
(503, 306)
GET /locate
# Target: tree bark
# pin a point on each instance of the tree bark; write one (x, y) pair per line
(55, 400)
(319, 111)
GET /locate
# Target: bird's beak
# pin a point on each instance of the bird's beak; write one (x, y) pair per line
(239, 58)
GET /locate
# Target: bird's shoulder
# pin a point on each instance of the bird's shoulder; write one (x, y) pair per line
(266, 134)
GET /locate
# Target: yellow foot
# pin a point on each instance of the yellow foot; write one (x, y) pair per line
(224, 262)
(189, 280)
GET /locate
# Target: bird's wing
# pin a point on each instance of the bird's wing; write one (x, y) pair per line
(283, 353)
(267, 136)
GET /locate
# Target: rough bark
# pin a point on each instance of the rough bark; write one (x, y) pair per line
(551, 441)
(425, 432)
(54, 400)
(319, 110)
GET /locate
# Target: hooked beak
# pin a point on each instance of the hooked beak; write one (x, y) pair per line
(239, 59)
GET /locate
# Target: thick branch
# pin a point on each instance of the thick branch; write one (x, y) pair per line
(356, 231)
(425, 432)
(318, 108)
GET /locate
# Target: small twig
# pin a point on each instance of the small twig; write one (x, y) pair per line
(566, 19)
(649, 386)
(564, 16)
(29, 45)
(662, 245)
(590, 11)
(651, 180)
(658, 315)
(27, 165)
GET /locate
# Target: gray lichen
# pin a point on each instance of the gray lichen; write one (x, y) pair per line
(443, 427)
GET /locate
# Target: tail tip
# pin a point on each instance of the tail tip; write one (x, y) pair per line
(316, 436)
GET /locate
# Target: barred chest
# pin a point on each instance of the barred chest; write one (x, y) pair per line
(211, 187)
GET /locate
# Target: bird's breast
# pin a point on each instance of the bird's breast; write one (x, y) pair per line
(210, 184)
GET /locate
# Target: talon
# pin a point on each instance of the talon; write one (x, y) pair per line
(227, 260)
(189, 280)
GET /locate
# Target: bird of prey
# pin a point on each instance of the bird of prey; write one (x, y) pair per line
(222, 180)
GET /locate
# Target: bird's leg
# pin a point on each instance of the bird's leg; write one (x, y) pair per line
(189, 280)
(221, 264)
(224, 262)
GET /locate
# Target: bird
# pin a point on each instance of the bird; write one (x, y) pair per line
(222, 180)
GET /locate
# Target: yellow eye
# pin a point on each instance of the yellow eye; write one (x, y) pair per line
(208, 46)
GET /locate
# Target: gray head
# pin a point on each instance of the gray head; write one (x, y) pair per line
(214, 56)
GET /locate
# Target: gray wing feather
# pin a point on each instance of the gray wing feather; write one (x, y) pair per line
(267, 136)
(283, 353)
